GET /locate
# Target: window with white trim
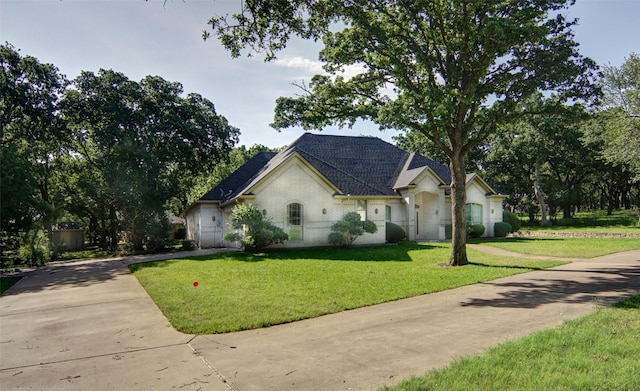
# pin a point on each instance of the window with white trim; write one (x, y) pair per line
(473, 213)
(294, 221)
(361, 208)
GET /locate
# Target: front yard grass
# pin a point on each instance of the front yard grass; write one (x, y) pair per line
(239, 291)
(596, 352)
(563, 247)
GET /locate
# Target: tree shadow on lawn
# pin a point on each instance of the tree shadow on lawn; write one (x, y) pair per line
(603, 286)
(55, 276)
(498, 266)
(387, 253)
(515, 240)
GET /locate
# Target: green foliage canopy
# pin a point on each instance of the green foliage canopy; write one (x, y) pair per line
(34, 137)
(616, 128)
(142, 137)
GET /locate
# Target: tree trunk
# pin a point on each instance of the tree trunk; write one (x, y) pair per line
(113, 230)
(458, 200)
(540, 196)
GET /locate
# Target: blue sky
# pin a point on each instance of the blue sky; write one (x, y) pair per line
(141, 38)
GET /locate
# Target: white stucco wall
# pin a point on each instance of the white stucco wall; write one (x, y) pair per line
(192, 223)
(205, 225)
(491, 206)
(294, 182)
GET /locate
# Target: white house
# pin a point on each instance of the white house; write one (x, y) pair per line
(317, 179)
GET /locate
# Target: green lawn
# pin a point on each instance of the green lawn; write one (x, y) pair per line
(7, 282)
(596, 352)
(238, 291)
(596, 222)
(563, 247)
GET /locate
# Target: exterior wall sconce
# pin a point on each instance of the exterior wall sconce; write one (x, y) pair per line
(324, 211)
(213, 218)
(376, 210)
(491, 211)
(264, 212)
(436, 212)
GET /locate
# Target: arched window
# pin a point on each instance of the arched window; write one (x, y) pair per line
(473, 214)
(294, 221)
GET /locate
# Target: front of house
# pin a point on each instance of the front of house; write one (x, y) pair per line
(317, 179)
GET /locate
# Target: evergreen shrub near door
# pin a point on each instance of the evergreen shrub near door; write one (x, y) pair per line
(475, 230)
(394, 233)
(512, 219)
(346, 231)
(502, 229)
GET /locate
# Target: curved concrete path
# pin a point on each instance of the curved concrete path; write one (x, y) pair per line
(90, 325)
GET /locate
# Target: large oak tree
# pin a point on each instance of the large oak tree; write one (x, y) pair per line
(145, 142)
(33, 139)
(451, 70)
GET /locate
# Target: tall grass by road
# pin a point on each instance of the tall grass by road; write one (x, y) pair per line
(596, 352)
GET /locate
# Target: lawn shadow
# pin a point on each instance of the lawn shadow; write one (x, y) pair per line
(76, 274)
(386, 253)
(594, 286)
(522, 267)
(520, 239)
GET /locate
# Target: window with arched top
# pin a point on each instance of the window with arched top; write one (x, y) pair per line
(294, 221)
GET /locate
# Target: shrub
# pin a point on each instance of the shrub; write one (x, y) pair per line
(512, 219)
(475, 231)
(188, 245)
(346, 231)
(34, 250)
(180, 233)
(502, 229)
(257, 232)
(394, 233)
(56, 250)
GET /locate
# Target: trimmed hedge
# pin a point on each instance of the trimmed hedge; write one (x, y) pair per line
(394, 233)
(512, 219)
(475, 231)
(502, 229)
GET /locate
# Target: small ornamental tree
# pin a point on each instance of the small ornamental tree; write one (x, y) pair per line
(258, 232)
(346, 231)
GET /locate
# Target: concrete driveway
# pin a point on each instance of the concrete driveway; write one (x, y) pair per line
(89, 325)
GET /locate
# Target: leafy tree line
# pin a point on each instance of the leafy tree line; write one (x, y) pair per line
(111, 153)
(576, 157)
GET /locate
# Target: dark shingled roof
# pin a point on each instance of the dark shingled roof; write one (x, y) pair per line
(364, 166)
(232, 185)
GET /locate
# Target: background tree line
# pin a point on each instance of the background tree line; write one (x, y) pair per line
(102, 151)
(584, 157)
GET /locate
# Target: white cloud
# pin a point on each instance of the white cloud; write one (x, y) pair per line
(297, 62)
(314, 67)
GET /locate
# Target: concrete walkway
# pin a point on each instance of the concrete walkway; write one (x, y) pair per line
(90, 325)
